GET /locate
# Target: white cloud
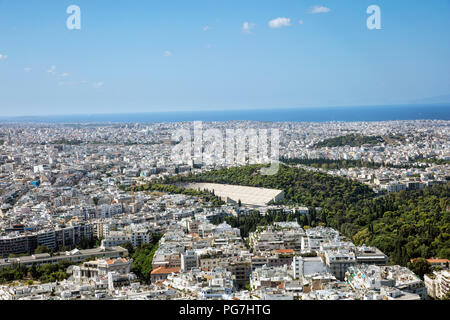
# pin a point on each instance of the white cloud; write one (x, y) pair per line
(319, 9)
(98, 84)
(67, 83)
(168, 53)
(27, 69)
(247, 27)
(3, 57)
(300, 21)
(208, 46)
(64, 75)
(280, 22)
(51, 70)
(206, 28)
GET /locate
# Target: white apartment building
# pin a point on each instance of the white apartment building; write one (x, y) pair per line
(339, 261)
(189, 260)
(438, 283)
(136, 238)
(297, 267)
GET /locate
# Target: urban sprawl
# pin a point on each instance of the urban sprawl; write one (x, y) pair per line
(80, 219)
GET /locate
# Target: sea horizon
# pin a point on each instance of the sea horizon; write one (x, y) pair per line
(300, 114)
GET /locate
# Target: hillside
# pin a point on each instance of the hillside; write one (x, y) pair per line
(404, 225)
(313, 189)
(357, 140)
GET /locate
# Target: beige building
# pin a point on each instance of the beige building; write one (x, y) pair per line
(101, 267)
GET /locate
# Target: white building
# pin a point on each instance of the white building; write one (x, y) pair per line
(189, 260)
(438, 283)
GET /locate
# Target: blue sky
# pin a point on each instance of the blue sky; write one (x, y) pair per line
(143, 56)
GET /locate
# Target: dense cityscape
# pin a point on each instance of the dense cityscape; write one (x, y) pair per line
(224, 159)
(104, 211)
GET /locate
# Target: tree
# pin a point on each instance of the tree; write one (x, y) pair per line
(34, 272)
(129, 247)
(420, 266)
(142, 261)
(87, 243)
(42, 249)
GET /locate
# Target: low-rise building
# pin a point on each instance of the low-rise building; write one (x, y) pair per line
(161, 273)
(74, 256)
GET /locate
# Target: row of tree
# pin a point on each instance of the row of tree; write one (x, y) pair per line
(330, 164)
(352, 140)
(169, 188)
(44, 273)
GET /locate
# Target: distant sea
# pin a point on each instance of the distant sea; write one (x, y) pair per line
(318, 114)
